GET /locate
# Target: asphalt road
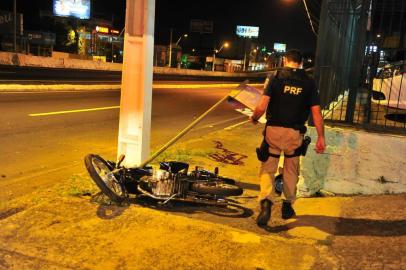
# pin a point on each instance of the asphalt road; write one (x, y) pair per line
(36, 150)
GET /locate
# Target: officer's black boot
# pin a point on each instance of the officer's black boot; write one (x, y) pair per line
(287, 210)
(265, 213)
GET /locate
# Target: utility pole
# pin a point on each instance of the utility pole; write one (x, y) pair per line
(245, 59)
(170, 49)
(15, 26)
(225, 44)
(214, 60)
(136, 91)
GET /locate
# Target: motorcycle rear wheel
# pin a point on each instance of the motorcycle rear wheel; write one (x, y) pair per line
(217, 188)
(100, 172)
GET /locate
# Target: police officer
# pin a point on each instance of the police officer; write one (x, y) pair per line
(289, 97)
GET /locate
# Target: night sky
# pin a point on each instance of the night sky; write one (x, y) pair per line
(282, 21)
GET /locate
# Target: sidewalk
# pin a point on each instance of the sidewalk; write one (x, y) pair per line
(70, 227)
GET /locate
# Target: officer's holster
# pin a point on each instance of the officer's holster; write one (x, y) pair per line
(263, 151)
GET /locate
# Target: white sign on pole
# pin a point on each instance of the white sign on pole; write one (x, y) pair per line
(247, 31)
(279, 47)
(72, 8)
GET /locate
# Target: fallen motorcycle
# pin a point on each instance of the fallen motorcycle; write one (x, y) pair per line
(172, 181)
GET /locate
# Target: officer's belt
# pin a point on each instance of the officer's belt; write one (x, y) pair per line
(301, 128)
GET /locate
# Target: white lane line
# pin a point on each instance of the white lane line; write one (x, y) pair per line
(219, 123)
(237, 125)
(74, 111)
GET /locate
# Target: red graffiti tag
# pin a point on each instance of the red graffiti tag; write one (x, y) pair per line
(226, 156)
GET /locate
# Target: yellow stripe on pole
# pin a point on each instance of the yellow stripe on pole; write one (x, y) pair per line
(75, 111)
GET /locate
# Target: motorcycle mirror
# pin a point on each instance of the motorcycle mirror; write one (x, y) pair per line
(120, 160)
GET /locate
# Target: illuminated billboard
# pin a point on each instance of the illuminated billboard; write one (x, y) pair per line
(247, 31)
(72, 8)
(279, 47)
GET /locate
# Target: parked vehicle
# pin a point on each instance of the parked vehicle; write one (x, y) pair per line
(389, 86)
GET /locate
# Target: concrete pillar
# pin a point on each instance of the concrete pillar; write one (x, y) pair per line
(136, 90)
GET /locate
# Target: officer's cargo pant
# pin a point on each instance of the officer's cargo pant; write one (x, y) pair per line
(285, 140)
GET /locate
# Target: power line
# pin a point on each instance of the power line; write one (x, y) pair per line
(310, 19)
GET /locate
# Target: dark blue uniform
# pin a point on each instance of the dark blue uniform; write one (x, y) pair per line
(292, 93)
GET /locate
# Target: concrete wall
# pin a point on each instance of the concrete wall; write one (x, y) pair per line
(191, 72)
(17, 59)
(357, 162)
(7, 58)
(64, 55)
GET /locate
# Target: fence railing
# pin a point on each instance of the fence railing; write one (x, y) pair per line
(360, 62)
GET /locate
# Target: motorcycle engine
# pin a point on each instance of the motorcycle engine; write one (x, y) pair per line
(163, 183)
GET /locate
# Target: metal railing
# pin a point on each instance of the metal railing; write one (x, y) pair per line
(360, 63)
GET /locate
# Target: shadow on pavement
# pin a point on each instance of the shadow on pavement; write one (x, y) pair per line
(346, 226)
(249, 186)
(232, 210)
(109, 210)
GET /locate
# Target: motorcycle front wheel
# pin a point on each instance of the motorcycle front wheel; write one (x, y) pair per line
(216, 188)
(101, 173)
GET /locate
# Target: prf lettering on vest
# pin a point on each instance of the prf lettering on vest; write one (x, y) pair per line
(292, 90)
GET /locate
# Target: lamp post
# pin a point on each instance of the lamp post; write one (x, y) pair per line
(225, 45)
(176, 44)
(15, 26)
(249, 57)
(170, 48)
(255, 51)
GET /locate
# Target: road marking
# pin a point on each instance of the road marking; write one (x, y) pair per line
(237, 125)
(218, 123)
(193, 86)
(74, 111)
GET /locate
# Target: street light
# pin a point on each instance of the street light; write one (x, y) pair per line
(15, 26)
(185, 36)
(225, 45)
(249, 57)
(170, 46)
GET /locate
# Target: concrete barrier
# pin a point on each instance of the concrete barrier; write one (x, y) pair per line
(204, 73)
(356, 162)
(9, 59)
(16, 59)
